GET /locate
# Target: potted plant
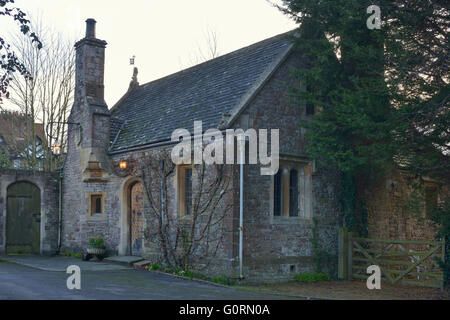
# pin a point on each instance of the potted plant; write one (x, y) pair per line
(96, 247)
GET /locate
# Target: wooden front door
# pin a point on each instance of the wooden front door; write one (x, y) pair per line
(23, 218)
(137, 219)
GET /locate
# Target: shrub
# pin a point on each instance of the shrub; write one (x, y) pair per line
(97, 242)
(312, 277)
(155, 266)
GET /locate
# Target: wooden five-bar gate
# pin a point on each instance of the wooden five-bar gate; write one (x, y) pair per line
(400, 261)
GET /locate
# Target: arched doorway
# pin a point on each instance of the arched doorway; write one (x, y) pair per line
(23, 218)
(136, 216)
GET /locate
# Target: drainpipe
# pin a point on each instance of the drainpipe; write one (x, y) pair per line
(60, 212)
(241, 139)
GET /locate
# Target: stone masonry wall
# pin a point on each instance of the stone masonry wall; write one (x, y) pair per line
(390, 217)
(277, 248)
(222, 263)
(48, 183)
(77, 225)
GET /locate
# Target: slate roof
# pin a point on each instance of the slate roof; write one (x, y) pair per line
(116, 125)
(204, 92)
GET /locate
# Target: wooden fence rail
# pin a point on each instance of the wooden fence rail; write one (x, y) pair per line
(400, 261)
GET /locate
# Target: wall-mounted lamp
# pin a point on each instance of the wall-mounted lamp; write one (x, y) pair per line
(56, 149)
(123, 165)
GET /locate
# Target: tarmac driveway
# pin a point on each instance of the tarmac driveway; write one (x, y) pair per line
(45, 278)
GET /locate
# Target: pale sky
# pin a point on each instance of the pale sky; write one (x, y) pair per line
(163, 35)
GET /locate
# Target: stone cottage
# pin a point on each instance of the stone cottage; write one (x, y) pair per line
(244, 89)
(289, 219)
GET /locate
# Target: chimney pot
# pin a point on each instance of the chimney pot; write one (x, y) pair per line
(90, 28)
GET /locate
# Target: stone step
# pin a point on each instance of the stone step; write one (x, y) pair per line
(123, 260)
(141, 264)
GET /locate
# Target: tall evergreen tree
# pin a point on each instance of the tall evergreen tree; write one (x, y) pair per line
(383, 93)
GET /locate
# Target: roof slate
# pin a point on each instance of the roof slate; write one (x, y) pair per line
(204, 92)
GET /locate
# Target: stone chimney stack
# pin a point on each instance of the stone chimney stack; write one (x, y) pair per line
(90, 28)
(92, 138)
(90, 64)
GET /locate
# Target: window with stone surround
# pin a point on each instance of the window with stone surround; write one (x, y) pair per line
(96, 205)
(184, 189)
(292, 191)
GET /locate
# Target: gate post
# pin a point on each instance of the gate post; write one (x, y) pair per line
(349, 256)
(444, 261)
(343, 252)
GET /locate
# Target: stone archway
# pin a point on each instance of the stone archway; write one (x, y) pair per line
(23, 218)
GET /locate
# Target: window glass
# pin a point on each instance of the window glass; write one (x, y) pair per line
(188, 191)
(277, 193)
(293, 193)
(96, 204)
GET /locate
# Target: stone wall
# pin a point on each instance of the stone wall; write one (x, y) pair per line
(48, 183)
(222, 263)
(77, 225)
(392, 215)
(278, 247)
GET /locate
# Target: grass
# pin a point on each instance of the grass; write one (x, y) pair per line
(312, 277)
(75, 255)
(190, 274)
(224, 281)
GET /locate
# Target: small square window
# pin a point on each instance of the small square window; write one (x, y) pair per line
(96, 204)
